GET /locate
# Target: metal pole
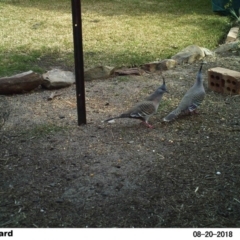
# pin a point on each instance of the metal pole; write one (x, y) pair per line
(79, 65)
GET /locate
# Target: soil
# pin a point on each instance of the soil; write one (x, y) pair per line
(55, 173)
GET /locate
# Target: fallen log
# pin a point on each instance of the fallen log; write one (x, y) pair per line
(20, 83)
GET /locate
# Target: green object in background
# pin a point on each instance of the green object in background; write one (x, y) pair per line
(218, 5)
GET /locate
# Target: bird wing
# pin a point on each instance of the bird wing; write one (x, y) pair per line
(192, 99)
(197, 100)
(190, 102)
(143, 110)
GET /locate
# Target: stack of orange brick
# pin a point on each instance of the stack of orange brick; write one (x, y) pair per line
(224, 80)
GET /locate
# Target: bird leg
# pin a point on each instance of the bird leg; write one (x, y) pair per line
(192, 112)
(195, 112)
(147, 124)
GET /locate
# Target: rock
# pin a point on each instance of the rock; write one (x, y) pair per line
(232, 46)
(128, 71)
(207, 52)
(168, 64)
(189, 54)
(232, 35)
(20, 83)
(99, 72)
(57, 78)
(159, 65)
(151, 67)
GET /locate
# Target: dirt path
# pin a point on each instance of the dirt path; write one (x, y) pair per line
(182, 174)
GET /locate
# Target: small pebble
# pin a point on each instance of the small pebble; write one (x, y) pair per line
(111, 121)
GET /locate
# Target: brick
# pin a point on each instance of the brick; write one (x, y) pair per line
(224, 80)
(233, 34)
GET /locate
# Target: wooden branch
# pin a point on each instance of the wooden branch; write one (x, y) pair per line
(20, 83)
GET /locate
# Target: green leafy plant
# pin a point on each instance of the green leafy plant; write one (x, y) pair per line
(233, 12)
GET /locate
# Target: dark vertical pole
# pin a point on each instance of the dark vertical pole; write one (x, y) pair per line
(79, 65)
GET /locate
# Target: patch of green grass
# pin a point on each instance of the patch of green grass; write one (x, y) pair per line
(43, 130)
(164, 105)
(123, 79)
(14, 63)
(115, 32)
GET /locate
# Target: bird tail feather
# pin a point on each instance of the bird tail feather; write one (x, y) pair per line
(109, 119)
(172, 115)
(121, 116)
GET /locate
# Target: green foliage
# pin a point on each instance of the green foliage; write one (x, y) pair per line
(164, 105)
(12, 63)
(43, 130)
(123, 79)
(235, 15)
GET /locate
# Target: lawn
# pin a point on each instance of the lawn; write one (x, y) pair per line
(38, 34)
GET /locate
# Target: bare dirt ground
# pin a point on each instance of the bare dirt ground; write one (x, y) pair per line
(181, 174)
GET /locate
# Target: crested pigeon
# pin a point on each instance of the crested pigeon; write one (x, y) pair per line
(191, 100)
(145, 109)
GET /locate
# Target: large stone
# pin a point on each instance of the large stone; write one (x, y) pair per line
(189, 54)
(207, 52)
(232, 46)
(168, 64)
(159, 65)
(56, 78)
(20, 83)
(128, 71)
(99, 72)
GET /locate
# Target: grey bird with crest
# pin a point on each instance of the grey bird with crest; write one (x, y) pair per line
(191, 100)
(146, 108)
